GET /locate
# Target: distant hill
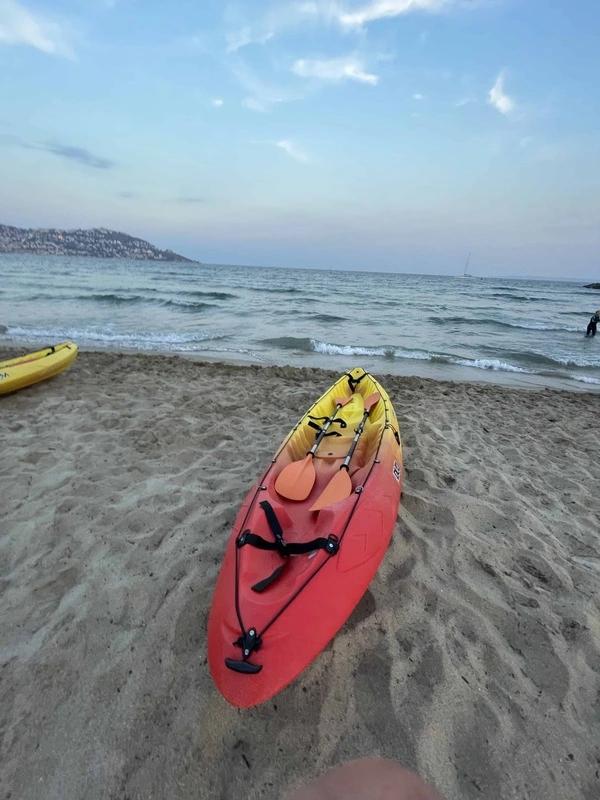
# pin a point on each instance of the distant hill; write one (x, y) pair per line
(97, 242)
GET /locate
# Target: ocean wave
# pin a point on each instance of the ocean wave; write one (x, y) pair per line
(324, 317)
(332, 349)
(495, 364)
(521, 298)
(536, 359)
(326, 348)
(142, 340)
(306, 345)
(211, 295)
(110, 298)
(529, 363)
(182, 305)
(118, 299)
(585, 379)
(527, 326)
(276, 290)
(138, 295)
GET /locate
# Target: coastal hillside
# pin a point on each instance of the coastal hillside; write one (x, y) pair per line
(96, 242)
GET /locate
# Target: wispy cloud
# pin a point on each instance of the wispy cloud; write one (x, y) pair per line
(245, 36)
(382, 9)
(464, 101)
(254, 104)
(216, 102)
(280, 17)
(71, 153)
(418, 96)
(334, 70)
(292, 150)
(260, 95)
(19, 26)
(498, 98)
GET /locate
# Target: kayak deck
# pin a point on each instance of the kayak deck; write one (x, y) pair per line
(22, 371)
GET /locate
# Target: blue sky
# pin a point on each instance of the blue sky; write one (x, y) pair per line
(372, 134)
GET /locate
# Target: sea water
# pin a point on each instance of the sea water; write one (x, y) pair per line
(521, 332)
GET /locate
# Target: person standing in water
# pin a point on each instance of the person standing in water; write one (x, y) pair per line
(594, 320)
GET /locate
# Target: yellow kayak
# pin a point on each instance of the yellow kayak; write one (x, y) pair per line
(17, 373)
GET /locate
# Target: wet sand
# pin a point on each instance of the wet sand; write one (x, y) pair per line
(474, 658)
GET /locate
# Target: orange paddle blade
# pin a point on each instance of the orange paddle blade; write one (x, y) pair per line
(341, 401)
(338, 488)
(296, 480)
(371, 401)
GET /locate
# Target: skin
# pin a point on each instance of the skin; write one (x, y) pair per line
(367, 779)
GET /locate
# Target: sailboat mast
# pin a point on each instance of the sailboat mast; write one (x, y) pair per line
(467, 265)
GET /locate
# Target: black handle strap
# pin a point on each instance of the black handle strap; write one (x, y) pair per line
(273, 522)
(329, 544)
(319, 429)
(332, 420)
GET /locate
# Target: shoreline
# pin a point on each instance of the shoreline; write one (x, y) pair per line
(423, 370)
(473, 658)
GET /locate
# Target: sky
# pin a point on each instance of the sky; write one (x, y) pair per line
(348, 134)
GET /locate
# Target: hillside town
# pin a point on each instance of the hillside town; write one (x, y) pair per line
(96, 242)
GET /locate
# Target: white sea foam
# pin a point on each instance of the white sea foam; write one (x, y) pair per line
(329, 349)
(586, 379)
(142, 340)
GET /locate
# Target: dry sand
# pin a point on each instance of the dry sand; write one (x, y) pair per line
(474, 658)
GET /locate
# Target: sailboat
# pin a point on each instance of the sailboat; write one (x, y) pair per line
(466, 269)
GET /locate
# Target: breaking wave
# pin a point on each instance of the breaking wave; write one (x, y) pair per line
(530, 363)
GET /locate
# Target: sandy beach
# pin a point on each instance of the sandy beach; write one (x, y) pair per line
(474, 658)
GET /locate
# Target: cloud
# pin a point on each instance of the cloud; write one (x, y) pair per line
(18, 26)
(292, 150)
(254, 104)
(498, 98)
(71, 153)
(280, 17)
(284, 17)
(334, 70)
(464, 101)
(217, 102)
(418, 96)
(190, 199)
(261, 96)
(382, 9)
(245, 36)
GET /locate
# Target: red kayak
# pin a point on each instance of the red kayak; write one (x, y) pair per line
(307, 541)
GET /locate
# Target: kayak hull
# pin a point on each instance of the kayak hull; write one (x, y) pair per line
(18, 373)
(314, 593)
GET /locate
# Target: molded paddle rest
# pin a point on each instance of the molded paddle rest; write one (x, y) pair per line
(296, 480)
(340, 486)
